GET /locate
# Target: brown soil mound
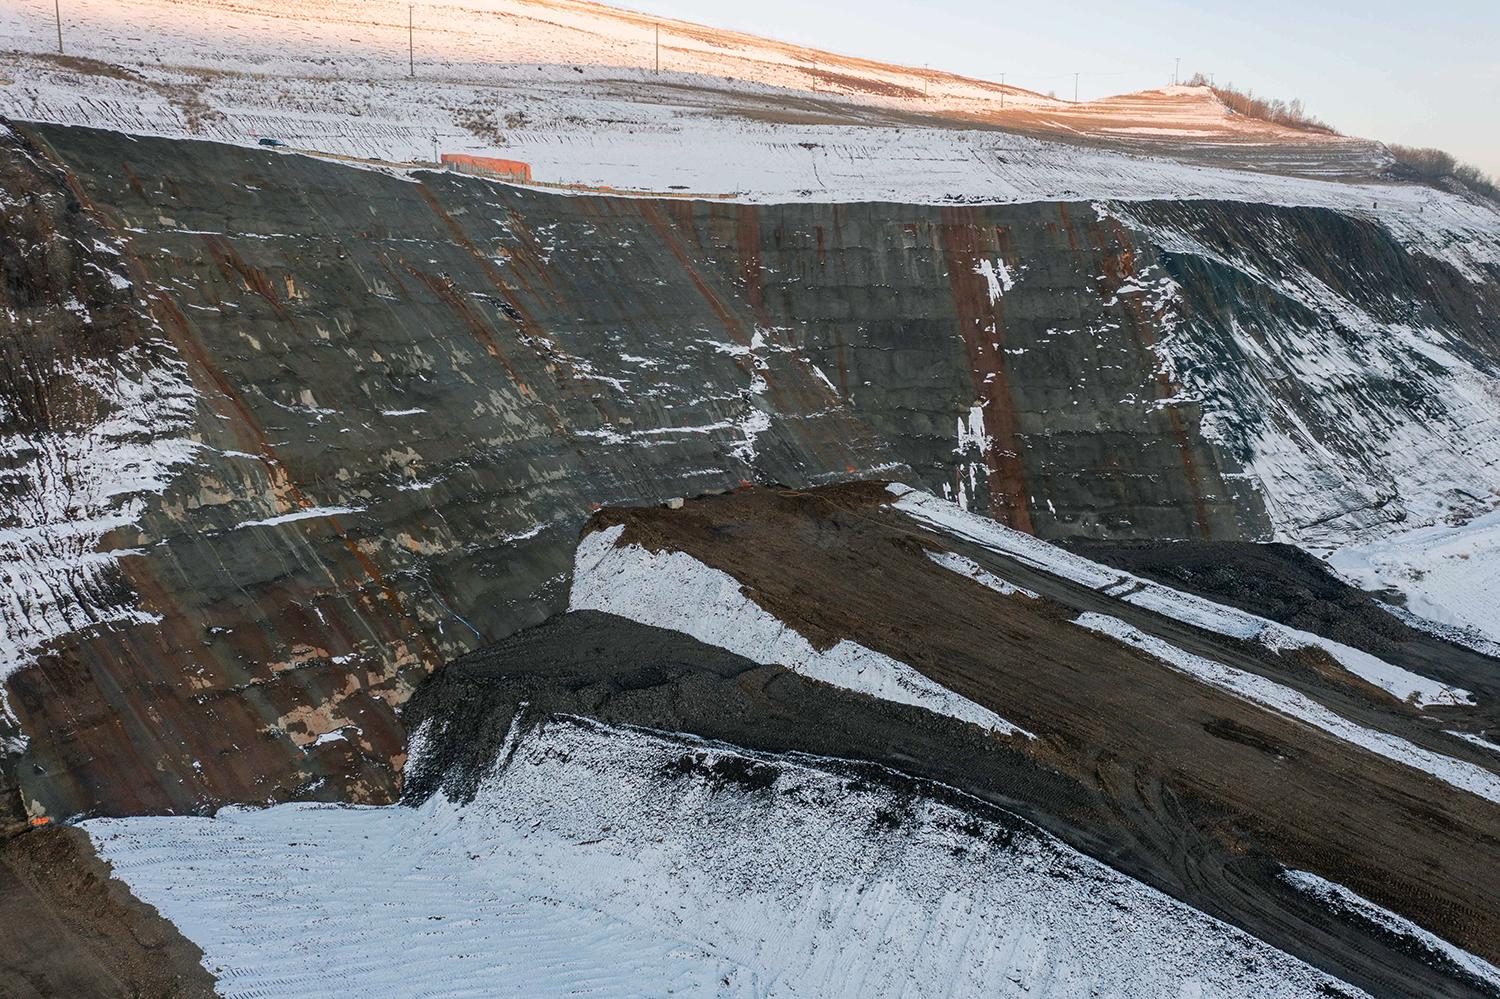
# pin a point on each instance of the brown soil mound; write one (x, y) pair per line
(72, 930)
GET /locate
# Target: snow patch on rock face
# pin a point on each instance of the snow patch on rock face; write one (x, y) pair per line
(69, 486)
(1341, 899)
(950, 519)
(1253, 687)
(675, 591)
(630, 864)
(997, 278)
(1235, 623)
(973, 452)
(1186, 607)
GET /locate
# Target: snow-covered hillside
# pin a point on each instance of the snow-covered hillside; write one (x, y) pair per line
(571, 88)
(625, 863)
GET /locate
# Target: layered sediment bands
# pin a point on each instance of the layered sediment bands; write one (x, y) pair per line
(401, 397)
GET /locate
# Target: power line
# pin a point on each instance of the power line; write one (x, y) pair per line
(57, 12)
(411, 52)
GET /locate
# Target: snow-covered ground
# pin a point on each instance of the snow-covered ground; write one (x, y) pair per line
(569, 88)
(675, 591)
(620, 863)
(1448, 574)
(494, 40)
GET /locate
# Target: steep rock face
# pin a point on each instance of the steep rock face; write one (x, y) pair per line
(401, 396)
(94, 408)
(1355, 378)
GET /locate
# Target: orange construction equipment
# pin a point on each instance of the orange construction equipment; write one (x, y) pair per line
(488, 165)
(40, 820)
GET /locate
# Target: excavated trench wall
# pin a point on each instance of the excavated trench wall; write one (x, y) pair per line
(405, 394)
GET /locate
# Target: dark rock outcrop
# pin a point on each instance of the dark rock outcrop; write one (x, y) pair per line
(405, 394)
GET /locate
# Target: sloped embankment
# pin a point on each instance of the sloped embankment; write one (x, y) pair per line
(622, 863)
(397, 398)
(1203, 764)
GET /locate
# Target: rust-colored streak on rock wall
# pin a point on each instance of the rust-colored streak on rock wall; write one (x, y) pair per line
(1112, 247)
(411, 394)
(981, 323)
(399, 427)
(747, 236)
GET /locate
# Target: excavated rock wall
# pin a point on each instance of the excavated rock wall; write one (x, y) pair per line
(405, 395)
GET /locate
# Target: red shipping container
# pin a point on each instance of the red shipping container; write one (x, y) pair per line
(509, 169)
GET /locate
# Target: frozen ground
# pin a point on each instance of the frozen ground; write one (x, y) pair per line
(782, 879)
(1447, 574)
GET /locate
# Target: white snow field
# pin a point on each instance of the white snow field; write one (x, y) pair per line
(610, 863)
(1449, 574)
(675, 591)
(570, 88)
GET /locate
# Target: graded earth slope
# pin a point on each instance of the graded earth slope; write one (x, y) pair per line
(1201, 749)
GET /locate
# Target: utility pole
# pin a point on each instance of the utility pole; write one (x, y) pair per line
(925, 80)
(658, 48)
(411, 52)
(1002, 91)
(435, 158)
(1075, 88)
(1177, 71)
(57, 12)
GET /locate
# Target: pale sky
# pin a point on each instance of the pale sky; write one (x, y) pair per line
(1418, 72)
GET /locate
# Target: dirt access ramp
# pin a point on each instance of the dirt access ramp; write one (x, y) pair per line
(1201, 776)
